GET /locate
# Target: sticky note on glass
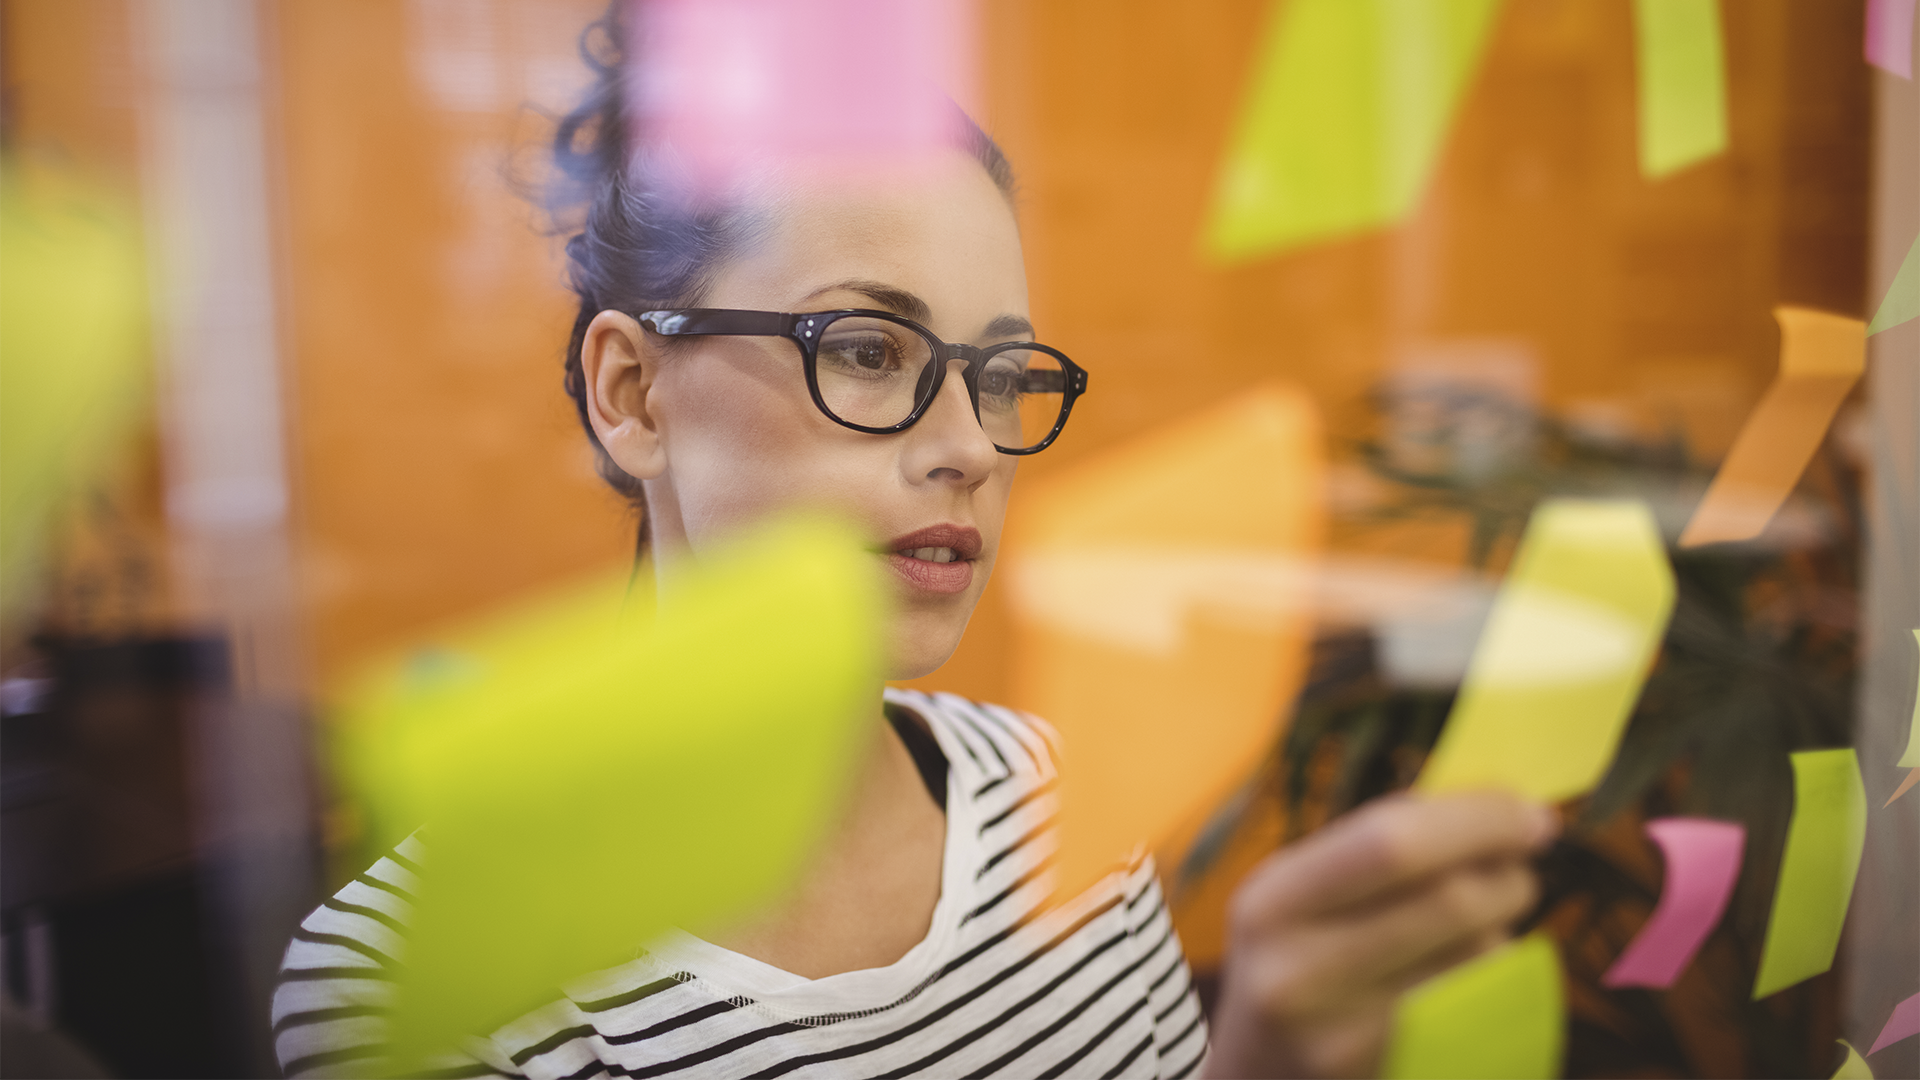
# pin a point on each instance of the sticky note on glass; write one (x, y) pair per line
(1911, 757)
(1854, 1067)
(1817, 870)
(1902, 302)
(1904, 1023)
(73, 349)
(1906, 785)
(1821, 357)
(1561, 661)
(1889, 44)
(1346, 110)
(589, 775)
(1682, 69)
(1500, 1015)
(1703, 862)
(1160, 616)
(726, 89)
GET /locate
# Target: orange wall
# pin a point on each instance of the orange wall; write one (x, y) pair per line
(439, 466)
(71, 81)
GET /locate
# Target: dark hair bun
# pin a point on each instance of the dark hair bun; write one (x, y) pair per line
(637, 247)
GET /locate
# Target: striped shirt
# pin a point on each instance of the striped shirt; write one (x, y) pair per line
(1094, 987)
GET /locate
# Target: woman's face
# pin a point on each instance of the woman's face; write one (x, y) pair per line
(722, 429)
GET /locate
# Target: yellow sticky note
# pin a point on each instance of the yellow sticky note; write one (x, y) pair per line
(1854, 1067)
(1345, 112)
(1566, 648)
(1683, 83)
(73, 325)
(589, 776)
(1902, 301)
(1500, 1015)
(1821, 357)
(1160, 621)
(1817, 870)
(1912, 756)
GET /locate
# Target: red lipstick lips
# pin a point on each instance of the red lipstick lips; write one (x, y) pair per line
(937, 559)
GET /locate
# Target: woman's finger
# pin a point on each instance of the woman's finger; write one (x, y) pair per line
(1391, 845)
(1389, 946)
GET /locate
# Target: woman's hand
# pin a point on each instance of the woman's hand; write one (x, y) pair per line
(1324, 936)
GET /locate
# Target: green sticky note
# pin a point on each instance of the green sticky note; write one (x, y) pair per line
(1902, 301)
(1824, 841)
(590, 773)
(1854, 1067)
(1683, 83)
(1911, 757)
(1500, 1015)
(1345, 112)
(1565, 650)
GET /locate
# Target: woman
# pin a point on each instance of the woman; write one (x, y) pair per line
(720, 376)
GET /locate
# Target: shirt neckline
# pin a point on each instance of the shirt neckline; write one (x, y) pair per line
(757, 984)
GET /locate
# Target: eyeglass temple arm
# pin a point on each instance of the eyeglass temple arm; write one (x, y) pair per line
(681, 322)
(1044, 382)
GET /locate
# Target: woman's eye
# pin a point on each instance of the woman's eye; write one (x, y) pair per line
(1002, 382)
(871, 354)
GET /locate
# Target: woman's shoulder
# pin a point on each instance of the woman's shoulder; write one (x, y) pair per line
(333, 1003)
(337, 978)
(991, 745)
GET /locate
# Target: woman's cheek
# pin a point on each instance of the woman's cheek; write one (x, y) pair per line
(738, 449)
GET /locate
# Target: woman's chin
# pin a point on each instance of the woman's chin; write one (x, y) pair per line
(920, 650)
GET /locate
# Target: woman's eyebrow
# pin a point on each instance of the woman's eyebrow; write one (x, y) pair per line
(898, 301)
(1009, 326)
(901, 302)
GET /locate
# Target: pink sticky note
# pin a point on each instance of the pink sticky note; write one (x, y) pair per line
(1703, 859)
(1905, 1021)
(1890, 36)
(728, 88)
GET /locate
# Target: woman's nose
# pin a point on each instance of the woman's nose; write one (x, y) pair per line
(953, 444)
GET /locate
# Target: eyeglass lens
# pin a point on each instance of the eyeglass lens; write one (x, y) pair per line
(875, 373)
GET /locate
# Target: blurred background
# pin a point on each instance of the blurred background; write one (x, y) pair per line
(353, 434)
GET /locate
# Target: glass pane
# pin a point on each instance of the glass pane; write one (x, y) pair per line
(1308, 541)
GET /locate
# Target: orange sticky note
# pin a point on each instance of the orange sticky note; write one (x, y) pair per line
(1160, 616)
(1821, 357)
(1913, 777)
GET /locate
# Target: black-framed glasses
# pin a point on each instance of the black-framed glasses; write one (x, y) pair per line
(877, 372)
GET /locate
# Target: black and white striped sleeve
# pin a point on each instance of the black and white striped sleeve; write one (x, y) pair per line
(1179, 1027)
(330, 1010)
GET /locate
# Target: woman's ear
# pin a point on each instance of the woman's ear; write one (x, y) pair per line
(619, 363)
